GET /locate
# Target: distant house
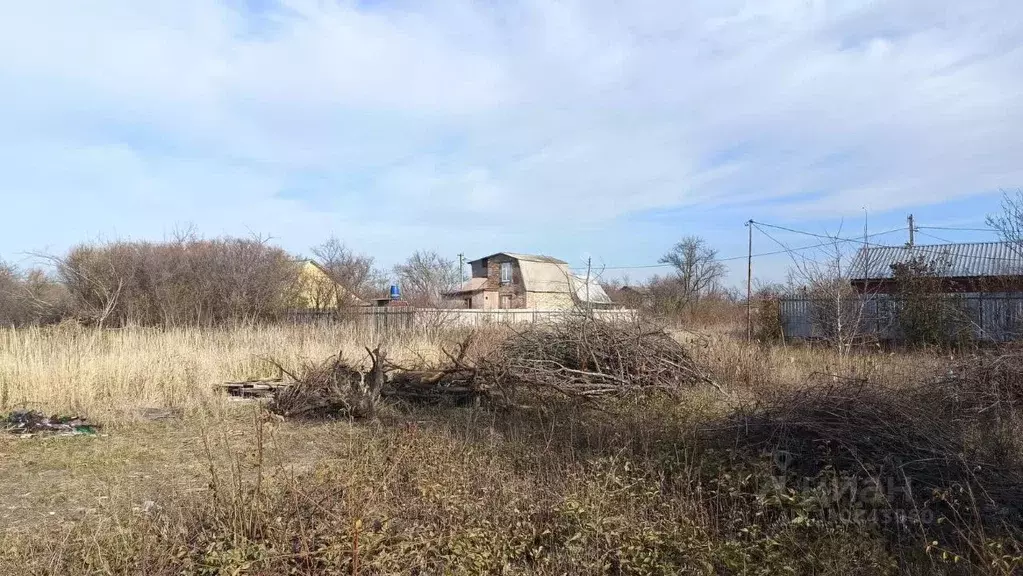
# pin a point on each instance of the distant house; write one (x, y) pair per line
(506, 280)
(632, 296)
(316, 290)
(975, 267)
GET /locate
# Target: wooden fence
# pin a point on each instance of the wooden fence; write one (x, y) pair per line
(992, 317)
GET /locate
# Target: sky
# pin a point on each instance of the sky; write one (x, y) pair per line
(600, 129)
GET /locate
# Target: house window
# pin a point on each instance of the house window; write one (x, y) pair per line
(506, 301)
(506, 272)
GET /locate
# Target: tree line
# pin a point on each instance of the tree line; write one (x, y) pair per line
(191, 280)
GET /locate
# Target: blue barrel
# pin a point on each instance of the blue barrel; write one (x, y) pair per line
(395, 293)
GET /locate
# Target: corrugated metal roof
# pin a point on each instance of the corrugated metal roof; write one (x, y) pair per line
(525, 257)
(951, 260)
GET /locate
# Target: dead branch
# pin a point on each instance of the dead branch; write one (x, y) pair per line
(577, 358)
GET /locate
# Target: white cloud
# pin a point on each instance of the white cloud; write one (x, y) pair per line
(504, 115)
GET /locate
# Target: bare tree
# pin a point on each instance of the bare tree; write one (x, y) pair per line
(836, 309)
(425, 276)
(353, 272)
(697, 272)
(1009, 223)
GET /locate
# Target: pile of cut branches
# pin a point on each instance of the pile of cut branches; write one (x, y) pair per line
(333, 388)
(456, 381)
(582, 357)
(578, 357)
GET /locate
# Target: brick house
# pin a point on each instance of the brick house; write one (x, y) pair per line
(507, 280)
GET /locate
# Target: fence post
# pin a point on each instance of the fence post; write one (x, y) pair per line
(980, 314)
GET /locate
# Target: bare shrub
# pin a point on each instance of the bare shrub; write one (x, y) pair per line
(29, 298)
(192, 281)
(908, 449)
(767, 321)
(626, 294)
(12, 309)
(925, 314)
(836, 309)
(987, 382)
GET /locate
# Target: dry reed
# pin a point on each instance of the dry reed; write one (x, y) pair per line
(111, 374)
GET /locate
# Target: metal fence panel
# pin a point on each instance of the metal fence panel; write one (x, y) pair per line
(996, 317)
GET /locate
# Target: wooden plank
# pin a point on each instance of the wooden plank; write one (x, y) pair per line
(253, 388)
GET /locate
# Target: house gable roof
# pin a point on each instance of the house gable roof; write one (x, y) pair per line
(524, 258)
(312, 270)
(589, 290)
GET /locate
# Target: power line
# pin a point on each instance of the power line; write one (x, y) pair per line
(776, 241)
(933, 236)
(827, 237)
(729, 259)
(786, 249)
(916, 249)
(956, 229)
(831, 241)
(794, 231)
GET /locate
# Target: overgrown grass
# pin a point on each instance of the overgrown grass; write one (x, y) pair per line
(642, 486)
(112, 374)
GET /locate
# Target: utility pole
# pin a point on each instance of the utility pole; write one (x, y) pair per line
(589, 262)
(912, 228)
(749, 284)
(866, 251)
(461, 274)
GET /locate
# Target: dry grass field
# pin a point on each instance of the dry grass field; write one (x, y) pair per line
(638, 485)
